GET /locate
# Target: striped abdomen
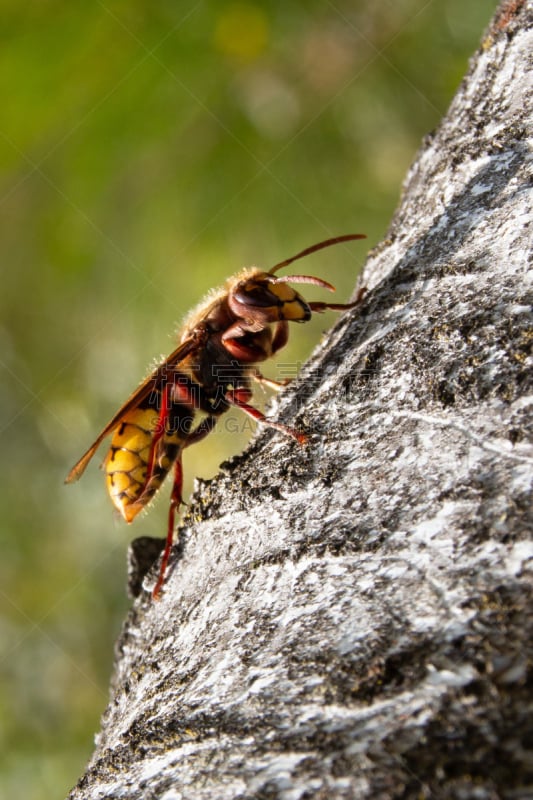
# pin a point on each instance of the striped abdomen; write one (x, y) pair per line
(128, 483)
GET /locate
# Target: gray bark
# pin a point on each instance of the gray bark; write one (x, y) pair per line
(352, 619)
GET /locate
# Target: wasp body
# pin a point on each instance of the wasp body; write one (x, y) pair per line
(243, 324)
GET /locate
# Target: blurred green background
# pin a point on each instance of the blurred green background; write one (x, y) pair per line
(147, 151)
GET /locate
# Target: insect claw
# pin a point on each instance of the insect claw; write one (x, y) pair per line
(156, 591)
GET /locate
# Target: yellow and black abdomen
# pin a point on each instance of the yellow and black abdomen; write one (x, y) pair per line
(129, 483)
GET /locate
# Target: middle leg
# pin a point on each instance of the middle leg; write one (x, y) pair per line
(239, 399)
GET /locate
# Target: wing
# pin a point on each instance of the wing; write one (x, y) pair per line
(158, 376)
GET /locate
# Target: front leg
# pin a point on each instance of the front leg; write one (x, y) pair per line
(320, 306)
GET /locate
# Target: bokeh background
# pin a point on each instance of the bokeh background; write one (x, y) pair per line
(148, 149)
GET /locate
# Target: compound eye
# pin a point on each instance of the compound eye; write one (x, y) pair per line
(267, 301)
(256, 294)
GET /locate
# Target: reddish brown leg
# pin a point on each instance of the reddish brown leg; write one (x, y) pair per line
(236, 398)
(272, 384)
(158, 433)
(318, 305)
(175, 502)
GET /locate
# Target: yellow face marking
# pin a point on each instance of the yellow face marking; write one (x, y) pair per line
(294, 307)
(282, 290)
(294, 311)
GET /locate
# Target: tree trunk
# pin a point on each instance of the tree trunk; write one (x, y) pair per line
(349, 619)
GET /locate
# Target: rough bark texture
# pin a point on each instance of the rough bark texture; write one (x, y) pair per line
(350, 619)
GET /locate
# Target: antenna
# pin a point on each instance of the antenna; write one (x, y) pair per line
(348, 237)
